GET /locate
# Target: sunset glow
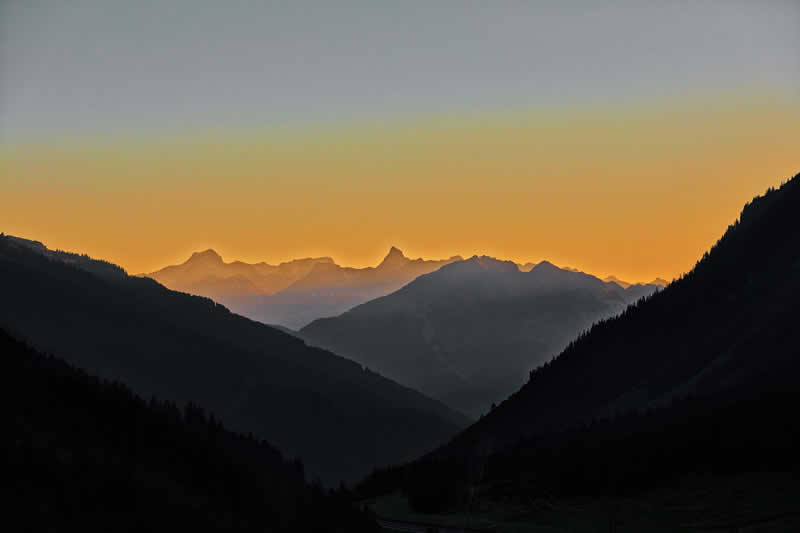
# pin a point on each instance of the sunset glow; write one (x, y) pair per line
(562, 185)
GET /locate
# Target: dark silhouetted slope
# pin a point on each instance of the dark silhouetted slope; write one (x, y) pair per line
(80, 454)
(338, 417)
(727, 321)
(695, 380)
(469, 333)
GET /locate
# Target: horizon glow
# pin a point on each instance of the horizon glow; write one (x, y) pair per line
(620, 139)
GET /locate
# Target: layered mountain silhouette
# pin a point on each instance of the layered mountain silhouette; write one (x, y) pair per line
(87, 455)
(339, 417)
(688, 384)
(625, 284)
(206, 274)
(294, 293)
(728, 321)
(614, 279)
(469, 333)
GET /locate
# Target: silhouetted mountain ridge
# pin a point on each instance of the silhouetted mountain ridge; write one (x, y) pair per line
(469, 333)
(339, 417)
(292, 293)
(206, 256)
(751, 267)
(330, 289)
(691, 382)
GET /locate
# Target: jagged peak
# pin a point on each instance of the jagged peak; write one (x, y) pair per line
(545, 265)
(394, 257)
(481, 263)
(206, 255)
(395, 252)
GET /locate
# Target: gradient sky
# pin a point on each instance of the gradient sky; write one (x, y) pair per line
(618, 138)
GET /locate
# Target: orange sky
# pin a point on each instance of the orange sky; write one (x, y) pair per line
(637, 190)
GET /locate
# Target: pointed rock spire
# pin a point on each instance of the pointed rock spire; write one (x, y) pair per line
(393, 258)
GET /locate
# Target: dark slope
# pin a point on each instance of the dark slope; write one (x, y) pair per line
(698, 450)
(727, 321)
(469, 333)
(82, 454)
(339, 418)
(712, 361)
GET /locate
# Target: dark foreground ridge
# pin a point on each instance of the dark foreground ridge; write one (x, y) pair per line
(340, 418)
(82, 454)
(689, 386)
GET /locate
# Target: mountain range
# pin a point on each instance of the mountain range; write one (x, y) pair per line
(340, 418)
(727, 321)
(688, 386)
(469, 333)
(294, 293)
(625, 284)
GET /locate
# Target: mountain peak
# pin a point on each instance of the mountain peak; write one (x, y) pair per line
(209, 255)
(544, 266)
(479, 264)
(615, 279)
(394, 257)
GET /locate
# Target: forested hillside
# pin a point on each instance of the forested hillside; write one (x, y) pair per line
(340, 418)
(693, 381)
(84, 454)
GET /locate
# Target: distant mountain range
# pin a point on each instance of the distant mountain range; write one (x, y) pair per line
(469, 333)
(294, 293)
(624, 284)
(692, 383)
(206, 274)
(341, 419)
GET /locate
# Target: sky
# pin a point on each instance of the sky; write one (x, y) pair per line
(620, 138)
